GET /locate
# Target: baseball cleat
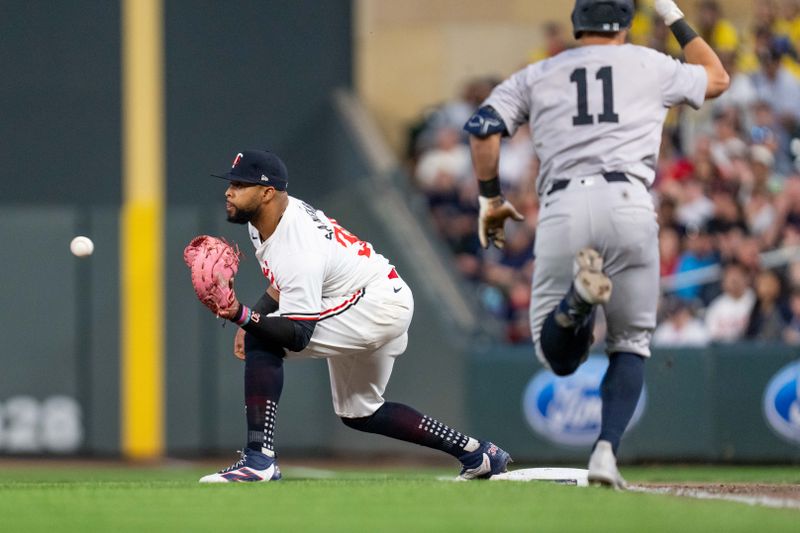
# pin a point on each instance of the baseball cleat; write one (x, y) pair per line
(591, 284)
(603, 467)
(484, 462)
(251, 466)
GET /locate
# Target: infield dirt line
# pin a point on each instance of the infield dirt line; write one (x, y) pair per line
(764, 501)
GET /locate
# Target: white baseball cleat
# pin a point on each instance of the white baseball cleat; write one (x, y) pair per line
(591, 284)
(603, 467)
(251, 466)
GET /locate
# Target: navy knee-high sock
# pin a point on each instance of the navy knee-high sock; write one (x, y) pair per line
(263, 384)
(565, 346)
(402, 422)
(620, 391)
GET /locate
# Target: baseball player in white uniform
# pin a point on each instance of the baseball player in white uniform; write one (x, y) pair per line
(332, 296)
(596, 113)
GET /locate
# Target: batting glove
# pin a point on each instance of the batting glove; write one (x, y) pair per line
(669, 11)
(492, 215)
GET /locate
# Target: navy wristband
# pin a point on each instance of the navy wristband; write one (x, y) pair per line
(683, 32)
(490, 188)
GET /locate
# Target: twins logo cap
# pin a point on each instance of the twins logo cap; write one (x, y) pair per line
(259, 167)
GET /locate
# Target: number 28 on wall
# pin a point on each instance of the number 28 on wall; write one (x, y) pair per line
(29, 425)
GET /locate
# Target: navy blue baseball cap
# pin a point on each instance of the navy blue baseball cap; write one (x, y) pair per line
(259, 167)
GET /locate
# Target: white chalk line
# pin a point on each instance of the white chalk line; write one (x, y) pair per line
(699, 494)
(764, 501)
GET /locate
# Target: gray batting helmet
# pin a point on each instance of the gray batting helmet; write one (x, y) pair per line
(605, 16)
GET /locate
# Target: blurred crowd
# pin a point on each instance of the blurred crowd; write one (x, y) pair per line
(727, 189)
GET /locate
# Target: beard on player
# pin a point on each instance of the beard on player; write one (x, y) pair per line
(238, 215)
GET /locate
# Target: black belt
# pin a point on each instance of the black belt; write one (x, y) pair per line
(610, 177)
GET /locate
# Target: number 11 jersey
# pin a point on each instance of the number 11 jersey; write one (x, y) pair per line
(597, 108)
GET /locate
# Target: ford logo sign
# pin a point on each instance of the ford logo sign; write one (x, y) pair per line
(782, 402)
(567, 410)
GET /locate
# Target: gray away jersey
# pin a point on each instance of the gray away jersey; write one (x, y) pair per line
(597, 108)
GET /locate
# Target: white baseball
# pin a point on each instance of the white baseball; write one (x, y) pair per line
(81, 246)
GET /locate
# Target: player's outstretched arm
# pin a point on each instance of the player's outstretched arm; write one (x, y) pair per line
(695, 49)
(485, 156)
(486, 129)
(493, 208)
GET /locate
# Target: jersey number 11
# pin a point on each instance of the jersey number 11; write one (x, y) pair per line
(583, 118)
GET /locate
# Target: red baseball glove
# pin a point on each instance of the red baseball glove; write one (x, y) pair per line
(213, 264)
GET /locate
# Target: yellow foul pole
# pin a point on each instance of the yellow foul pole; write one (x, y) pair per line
(141, 230)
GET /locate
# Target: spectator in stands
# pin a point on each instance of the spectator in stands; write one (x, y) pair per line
(641, 25)
(769, 316)
(669, 247)
(727, 213)
(659, 37)
(519, 301)
(727, 149)
(667, 215)
(451, 115)
(765, 15)
(765, 130)
(760, 212)
(728, 242)
(763, 161)
(555, 42)
(789, 23)
(757, 195)
(785, 30)
(694, 207)
(792, 275)
(791, 334)
(680, 327)
(719, 32)
(776, 86)
(518, 249)
(741, 95)
(728, 314)
(457, 229)
(787, 207)
(748, 255)
(772, 77)
(698, 253)
(448, 156)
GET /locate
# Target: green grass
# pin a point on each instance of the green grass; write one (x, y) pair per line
(118, 499)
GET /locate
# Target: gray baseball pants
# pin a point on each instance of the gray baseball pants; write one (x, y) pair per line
(618, 220)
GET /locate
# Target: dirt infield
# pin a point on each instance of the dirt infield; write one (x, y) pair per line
(781, 495)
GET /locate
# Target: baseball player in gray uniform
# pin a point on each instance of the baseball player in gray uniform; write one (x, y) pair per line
(596, 113)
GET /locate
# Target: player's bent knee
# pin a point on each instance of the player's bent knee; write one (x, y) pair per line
(255, 347)
(361, 423)
(356, 423)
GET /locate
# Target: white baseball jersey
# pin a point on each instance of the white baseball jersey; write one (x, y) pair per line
(323, 272)
(318, 267)
(596, 109)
